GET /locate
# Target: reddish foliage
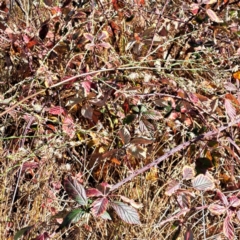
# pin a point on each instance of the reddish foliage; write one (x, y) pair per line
(106, 91)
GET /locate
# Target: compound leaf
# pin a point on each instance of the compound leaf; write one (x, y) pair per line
(99, 206)
(75, 190)
(127, 213)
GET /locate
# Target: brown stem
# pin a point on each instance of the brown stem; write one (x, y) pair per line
(204, 136)
(53, 86)
(68, 80)
(157, 26)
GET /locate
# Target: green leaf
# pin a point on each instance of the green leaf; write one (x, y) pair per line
(143, 109)
(23, 231)
(203, 164)
(178, 108)
(128, 119)
(213, 143)
(135, 109)
(106, 216)
(72, 217)
(168, 110)
(154, 115)
(176, 233)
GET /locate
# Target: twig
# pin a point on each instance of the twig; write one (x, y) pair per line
(26, 130)
(180, 147)
(203, 216)
(68, 80)
(15, 190)
(53, 86)
(157, 26)
(235, 145)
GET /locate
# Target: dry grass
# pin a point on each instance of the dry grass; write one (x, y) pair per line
(36, 153)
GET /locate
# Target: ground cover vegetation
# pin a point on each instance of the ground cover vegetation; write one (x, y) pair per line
(119, 119)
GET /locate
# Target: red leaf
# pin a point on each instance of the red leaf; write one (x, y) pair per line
(188, 173)
(126, 213)
(99, 206)
(193, 98)
(32, 43)
(90, 46)
(228, 229)
(173, 115)
(188, 235)
(26, 38)
(56, 185)
(93, 192)
(29, 165)
(68, 126)
(230, 109)
(105, 45)
(194, 8)
(87, 85)
(176, 216)
(126, 106)
(51, 127)
(222, 197)
(103, 36)
(216, 209)
(173, 186)
(213, 16)
(188, 122)
(3, 7)
(89, 36)
(57, 110)
(115, 5)
(75, 190)
(56, 10)
(96, 115)
(230, 86)
(234, 201)
(69, 83)
(43, 236)
(114, 26)
(104, 188)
